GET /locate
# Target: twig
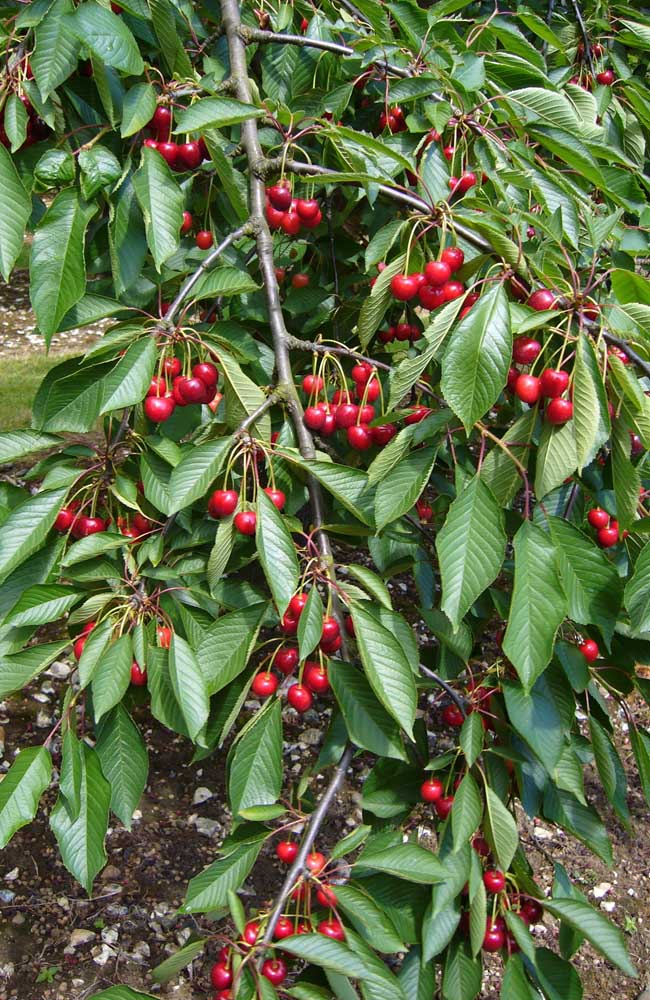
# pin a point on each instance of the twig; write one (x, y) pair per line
(244, 230)
(304, 41)
(274, 397)
(314, 825)
(121, 430)
(458, 701)
(585, 35)
(631, 353)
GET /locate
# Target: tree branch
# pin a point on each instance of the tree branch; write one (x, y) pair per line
(303, 41)
(447, 688)
(585, 36)
(244, 230)
(640, 362)
(274, 397)
(315, 822)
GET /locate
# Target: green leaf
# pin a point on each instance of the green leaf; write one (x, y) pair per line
(224, 651)
(316, 949)
(409, 862)
(243, 396)
(124, 759)
(100, 169)
(386, 667)
(438, 930)
(310, 624)
(597, 929)
(56, 53)
(57, 267)
(368, 724)
(538, 604)
(640, 740)
(209, 890)
(348, 486)
(637, 592)
(498, 471)
(462, 974)
(189, 685)
(215, 112)
(375, 306)
(25, 529)
(373, 584)
(470, 548)
(163, 16)
(196, 471)
(120, 993)
(547, 107)
(397, 493)
(15, 122)
(590, 413)
(15, 210)
(515, 984)
(19, 669)
(41, 604)
(368, 918)
(625, 476)
(467, 812)
(170, 968)
(471, 737)
(92, 545)
(223, 280)
(221, 552)
(277, 552)
(21, 790)
(255, 765)
(129, 381)
(557, 457)
(112, 676)
(500, 829)
(81, 841)
(404, 377)
(475, 364)
(17, 444)
(138, 108)
(107, 36)
(162, 204)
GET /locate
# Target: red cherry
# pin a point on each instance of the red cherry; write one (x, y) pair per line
(589, 650)
(312, 383)
(85, 526)
(138, 675)
(448, 152)
(172, 367)
(246, 522)
(636, 445)
(331, 646)
(169, 152)
(300, 280)
(315, 678)
(466, 181)
(366, 414)
(159, 408)
(494, 880)
(494, 938)
(403, 330)
(326, 896)
(349, 626)
(443, 806)
(307, 208)
(606, 78)
(513, 375)
(299, 698)
(287, 851)
(424, 510)
(528, 388)
(193, 390)
(220, 976)
(149, 143)
(382, 434)
(275, 970)
(598, 518)
(607, 537)
(315, 862)
(204, 239)
(222, 503)
(454, 257)
(480, 845)
(542, 299)
(559, 411)
(297, 604)
(362, 372)
(190, 155)
(277, 497)
(431, 790)
(430, 297)
(386, 336)
(330, 629)
(279, 196)
(157, 386)
(162, 120)
(274, 217)
(359, 437)
(186, 225)
(417, 414)
(286, 659)
(437, 273)
(371, 390)
(207, 372)
(264, 684)
(525, 350)
(164, 636)
(64, 519)
(332, 928)
(452, 715)
(453, 290)
(404, 287)
(251, 932)
(283, 928)
(78, 646)
(289, 624)
(315, 416)
(532, 910)
(554, 382)
(290, 223)
(314, 221)
(346, 415)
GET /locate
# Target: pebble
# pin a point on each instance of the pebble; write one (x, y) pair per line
(79, 937)
(311, 737)
(12, 875)
(7, 970)
(6, 896)
(601, 890)
(43, 720)
(110, 935)
(542, 834)
(207, 827)
(60, 669)
(19, 919)
(110, 873)
(201, 795)
(140, 955)
(102, 955)
(608, 905)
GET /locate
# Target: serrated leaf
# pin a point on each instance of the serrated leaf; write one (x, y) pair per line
(255, 766)
(100, 169)
(112, 675)
(471, 737)
(368, 724)
(162, 204)
(209, 889)
(17, 444)
(537, 718)
(21, 790)
(374, 307)
(470, 548)
(397, 493)
(386, 667)
(546, 106)
(92, 545)
(499, 471)
(220, 552)
(26, 527)
(404, 377)
(475, 364)
(81, 841)
(224, 280)
(41, 604)
(438, 930)
(215, 112)
(224, 651)
(243, 397)
(373, 584)
(500, 829)
(277, 552)
(199, 467)
(189, 685)
(467, 812)
(138, 108)
(348, 486)
(637, 592)
(19, 669)
(557, 457)
(538, 604)
(462, 974)
(176, 962)
(15, 210)
(590, 413)
(129, 381)
(124, 759)
(107, 36)
(56, 51)
(625, 476)
(597, 929)
(332, 955)
(408, 861)
(310, 624)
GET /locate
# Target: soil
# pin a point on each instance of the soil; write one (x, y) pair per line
(57, 943)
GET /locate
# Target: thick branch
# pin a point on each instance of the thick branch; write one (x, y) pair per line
(315, 822)
(205, 265)
(303, 41)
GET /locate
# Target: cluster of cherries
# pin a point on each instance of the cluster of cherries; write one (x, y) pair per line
(435, 285)
(606, 527)
(138, 673)
(583, 78)
(290, 214)
(223, 503)
(203, 238)
(342, 413)
(551, 383)
(162, 397)
(392, 118)
(68, 520)
(179, 155)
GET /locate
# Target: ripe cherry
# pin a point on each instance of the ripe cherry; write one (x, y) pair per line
(431, 790)
(280, 197)
(192, 390)
(494, 938)
(332, 928)
(283, 928)
(346, 415)
(443, 806)
(362, 372)
(315, 416)
(430, 297)
(372, 388)
(598, 518)
(528, 388)
(559, 411)
(246, 522)
(452, 715)
(532, 911)
(186, 225)
(300, 280)
(290, 223)
(417, 414)
(78, 646)
(326, 896)
(162, 120)
(454, 257)
(525, 350)
(189, 155)
(349, 626)
(606, 78)
(366, 414)
(466, 181)
(315, 678)
(264, 684)
(275, 970)
(287, 851)
(494, 880)
(159, 408)
(297, 604)
(589, 650)
(138, 675)
(64, 519)
(448, 152)
(157, 386)
(172, 367)
(274, 217)
(204, 239)
(404, 286)
(331, 646)
(453, 290)
(169, 152)
(480, 845)
(277, 497)
(437, 272)
(307, 208)
(554, 382)
(299, 697)
(359, 437)
(382, 434)
(84, 526)
(286, 660)
(312, 383)
(222, 503)
(541, 299)
(330, 629)
(315, 862)
(607, 537)
(289, 624)
(251, 932)
(424, 510)
(207, 372)
(220, 976)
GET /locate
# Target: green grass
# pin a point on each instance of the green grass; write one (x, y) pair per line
(19, 382)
